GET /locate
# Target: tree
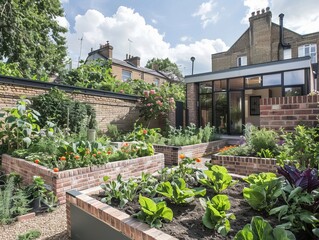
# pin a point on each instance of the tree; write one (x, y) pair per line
(166, 66)
(31, 36)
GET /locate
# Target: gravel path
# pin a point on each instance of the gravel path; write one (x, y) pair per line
(51, 225)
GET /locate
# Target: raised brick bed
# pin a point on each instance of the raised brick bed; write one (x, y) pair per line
(81, 178)
(198, 150)
(92, 219)
(245, 165)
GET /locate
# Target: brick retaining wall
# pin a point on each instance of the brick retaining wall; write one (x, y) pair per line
(245, 165)
(81, 178)
(198, 150)
(288, 112)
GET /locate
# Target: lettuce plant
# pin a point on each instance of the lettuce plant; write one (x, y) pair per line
(259, 229)
(263, 191)
(178, 193)
(215, 213)
(217, 178)
(152, 213)
(308, 179)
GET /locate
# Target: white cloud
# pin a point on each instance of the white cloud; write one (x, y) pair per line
(185, 39)
(154, 21)
(147, 42)
(64, 1)
(206, 13)
(63, 22)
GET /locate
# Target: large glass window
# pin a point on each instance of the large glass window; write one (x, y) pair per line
(293, 91)
(206, 87)
(236, 83)
(308, 50)
(126, 75)
(220, 111)
(272, 79)
(206, 108)
(253, 82)
(220, 85)
(235, 105)
(294, 77)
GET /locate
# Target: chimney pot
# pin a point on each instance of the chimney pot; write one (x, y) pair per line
(262, 10)
(258, 12)
(267, 9)
(253, 14)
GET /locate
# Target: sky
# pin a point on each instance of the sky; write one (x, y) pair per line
(177, 30)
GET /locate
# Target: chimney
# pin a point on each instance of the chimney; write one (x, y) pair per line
(134, 60)
(282, 43)
(106, 50)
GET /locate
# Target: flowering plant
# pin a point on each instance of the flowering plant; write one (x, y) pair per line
(155, 103)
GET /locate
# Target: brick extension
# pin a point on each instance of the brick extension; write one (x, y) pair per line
(288, 112)
(120, 221)
(81, 178)
(245, 165)
(172, 153)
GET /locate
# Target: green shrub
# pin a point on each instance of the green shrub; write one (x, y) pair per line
(29, 235)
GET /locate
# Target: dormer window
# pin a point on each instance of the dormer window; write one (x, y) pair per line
(308, 50)
(241, 61)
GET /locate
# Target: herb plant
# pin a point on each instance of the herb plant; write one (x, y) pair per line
(216, 216)
(177, 191)
(152, 213)
(259, 229)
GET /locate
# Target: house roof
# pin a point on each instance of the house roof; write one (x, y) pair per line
(254, 69)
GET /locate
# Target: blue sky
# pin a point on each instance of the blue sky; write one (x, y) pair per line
(175, 29)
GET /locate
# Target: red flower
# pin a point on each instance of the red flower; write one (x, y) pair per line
(62, 158)
(94, 155)
(109, 152)
(152, 92)
(37, 161)
(55, 169)
(197, 160)
(144, 131)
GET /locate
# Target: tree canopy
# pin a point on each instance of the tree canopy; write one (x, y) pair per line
(166, 66)
(31, 36)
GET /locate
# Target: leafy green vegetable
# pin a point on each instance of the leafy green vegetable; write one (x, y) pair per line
(217, 178)
(152, 213)
(215, 213)
(177, 191)
(259, 229)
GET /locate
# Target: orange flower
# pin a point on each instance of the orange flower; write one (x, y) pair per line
(55, 169)
(109, 152)
(87, 152)
(37, 161)
(62, 158)
(182, 156)
(197, 160)
(94, 155)
(144, 131)
(125, 144)
(99, 152)
(76, 157)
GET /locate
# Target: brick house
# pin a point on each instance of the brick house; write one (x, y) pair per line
(267, 61)
(129, 68)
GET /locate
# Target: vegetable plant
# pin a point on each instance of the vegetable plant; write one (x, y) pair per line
(152, 213)
(178, 193)
(216, 216)
(216, 178)
(263, 192)
(260, 229)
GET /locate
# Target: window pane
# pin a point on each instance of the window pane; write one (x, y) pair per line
(236, 83)
(221, 109)
(293, 91)
(220, 85)
(272, 80)
(294, 77)
(206, 87)
(206, 107)
(126, 75)
(287, 53)
(253, 82)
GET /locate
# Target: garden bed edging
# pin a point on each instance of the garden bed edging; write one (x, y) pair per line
(243, 165)
(193, 151)
(85, 214)
(81, 178)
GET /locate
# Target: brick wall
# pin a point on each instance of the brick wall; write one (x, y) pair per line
(172, 153)
(245, 165)
(192, 97)
(81, 178)
(119, 221)
(288, 112)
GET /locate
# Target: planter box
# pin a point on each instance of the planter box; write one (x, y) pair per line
(88, 218)
(198, 150)
(245, 165)
(81, 178)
